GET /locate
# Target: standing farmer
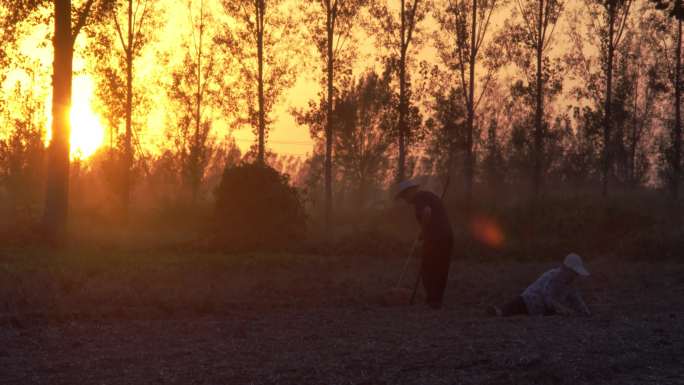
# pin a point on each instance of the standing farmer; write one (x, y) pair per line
(435, 232)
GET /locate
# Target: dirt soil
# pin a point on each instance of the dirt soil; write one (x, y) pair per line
(636, 335)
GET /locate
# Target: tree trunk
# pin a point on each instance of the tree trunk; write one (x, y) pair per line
(677, 137)
(634, 137)
(401, 167)
(470, 161)
(129, 112)
(57, 184)
(607, 143)
(330, 26)
(195, 160)
(260, 10)
(538, 150)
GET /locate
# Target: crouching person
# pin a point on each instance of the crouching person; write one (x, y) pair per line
(552, 293)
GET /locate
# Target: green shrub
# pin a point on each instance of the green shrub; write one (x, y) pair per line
(257, 209)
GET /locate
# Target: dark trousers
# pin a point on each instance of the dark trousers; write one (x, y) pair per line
(515, 307)
(435, 269)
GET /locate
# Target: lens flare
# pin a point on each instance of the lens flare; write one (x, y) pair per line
(488, 231)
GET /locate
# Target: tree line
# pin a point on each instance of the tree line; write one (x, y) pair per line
(533, 94)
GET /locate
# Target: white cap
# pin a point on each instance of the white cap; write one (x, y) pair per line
(574, 262)
(403, 186)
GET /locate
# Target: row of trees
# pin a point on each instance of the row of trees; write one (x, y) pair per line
(495, 89)
(585, 107)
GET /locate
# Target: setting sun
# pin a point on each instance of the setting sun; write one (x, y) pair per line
(87, 132)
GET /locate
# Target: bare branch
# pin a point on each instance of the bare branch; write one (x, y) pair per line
(623, 22)
(524, 15)
(119, 33)
(143, 16)
(412, 23)
(484, 90)
(483, 28)
(82, 17)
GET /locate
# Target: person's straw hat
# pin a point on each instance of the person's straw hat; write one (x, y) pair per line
(574, 262)
(403, 186)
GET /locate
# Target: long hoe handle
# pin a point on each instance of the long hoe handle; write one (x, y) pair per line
(408, 259)
(415, 285)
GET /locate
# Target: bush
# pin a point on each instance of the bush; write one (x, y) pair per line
(257, 208)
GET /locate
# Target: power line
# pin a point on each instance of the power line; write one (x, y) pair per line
(287, 142)
(244, 140)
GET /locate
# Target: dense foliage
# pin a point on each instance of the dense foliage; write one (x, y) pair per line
(257, 208)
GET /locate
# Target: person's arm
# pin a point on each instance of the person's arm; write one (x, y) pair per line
(577, 303)
(425, 216)
(553, 301)
(561, 309)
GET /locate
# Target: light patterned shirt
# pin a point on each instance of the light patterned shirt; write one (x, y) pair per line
(549, 294)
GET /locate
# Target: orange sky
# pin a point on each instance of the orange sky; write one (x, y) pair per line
(286, 137)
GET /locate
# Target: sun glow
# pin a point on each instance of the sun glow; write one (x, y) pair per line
(87, 132)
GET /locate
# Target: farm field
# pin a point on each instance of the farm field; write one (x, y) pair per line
(156, 318)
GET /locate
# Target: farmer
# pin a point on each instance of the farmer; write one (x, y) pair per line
(552, 293)
(435, 232)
